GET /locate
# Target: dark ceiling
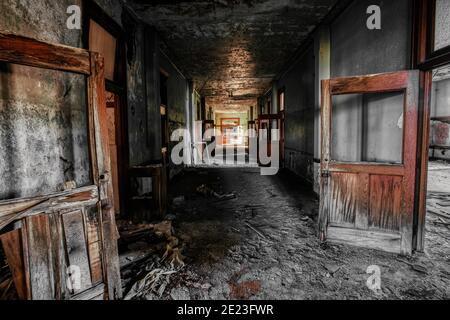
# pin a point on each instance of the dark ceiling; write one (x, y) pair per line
(232, 49)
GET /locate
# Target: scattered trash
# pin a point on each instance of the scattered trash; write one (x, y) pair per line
(443, 204)
(417, 267)
(156, 267)
(163, 229)
(332, 269)
(255, 230)
(207, 191)
(155, 282)
(180, 294)
(443, 215)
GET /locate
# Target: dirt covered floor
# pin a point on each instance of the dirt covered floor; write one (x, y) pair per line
(246, 236)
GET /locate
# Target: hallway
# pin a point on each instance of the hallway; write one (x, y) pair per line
(224, 149)
(263, 245)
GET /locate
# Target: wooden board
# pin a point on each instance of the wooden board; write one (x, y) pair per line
(30, 52)
(40, 258)
(94, 249)
(76, 243)
(372, 240)
(13, 248)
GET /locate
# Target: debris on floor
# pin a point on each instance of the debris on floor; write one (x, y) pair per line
(151, 253)
(207, 191)
(265, 247)
(154, 283)
(7, 288)
(262, 247)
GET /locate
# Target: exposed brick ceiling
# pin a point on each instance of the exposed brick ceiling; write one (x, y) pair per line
(232, 49)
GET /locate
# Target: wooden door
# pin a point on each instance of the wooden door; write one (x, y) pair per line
(64, 245)
(370, 203)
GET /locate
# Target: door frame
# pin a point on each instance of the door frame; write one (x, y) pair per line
(425, 60)
(226, 126)
(30, 52)
(281, 123)
(119, 87)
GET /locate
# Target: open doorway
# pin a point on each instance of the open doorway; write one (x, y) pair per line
(438, 186)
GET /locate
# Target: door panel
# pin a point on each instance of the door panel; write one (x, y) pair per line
(71, 227)
(367, 203)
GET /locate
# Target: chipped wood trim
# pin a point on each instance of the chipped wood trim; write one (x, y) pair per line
(17, 209)
(30, 52)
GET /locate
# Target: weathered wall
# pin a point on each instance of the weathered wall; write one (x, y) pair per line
(178, 100)
(138, 128)
(299, 112)
(43, 133)
(347, 47)
(356, 50)
(369, 128)
(442, 37)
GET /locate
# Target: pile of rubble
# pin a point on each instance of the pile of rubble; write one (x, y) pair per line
(147, 273)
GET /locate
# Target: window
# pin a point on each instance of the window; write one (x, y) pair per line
(364, 124)
(44, 131)
(442, 24)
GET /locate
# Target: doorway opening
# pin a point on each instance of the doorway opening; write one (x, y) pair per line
(105, 36)
(438, 184)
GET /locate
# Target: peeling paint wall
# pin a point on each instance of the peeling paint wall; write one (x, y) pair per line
(356, 50)
(43, 133)
(138, 131)
(299, 116)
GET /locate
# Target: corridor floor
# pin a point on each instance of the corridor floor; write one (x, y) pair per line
(263, 245)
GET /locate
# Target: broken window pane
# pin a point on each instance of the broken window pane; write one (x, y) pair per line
(442, 24)
(368, 128)
(43, 131)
